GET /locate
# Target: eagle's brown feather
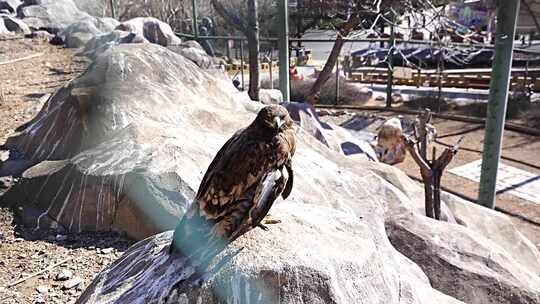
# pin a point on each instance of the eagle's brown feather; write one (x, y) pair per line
(246, 176)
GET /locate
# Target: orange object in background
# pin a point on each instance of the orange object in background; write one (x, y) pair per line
(294, 73)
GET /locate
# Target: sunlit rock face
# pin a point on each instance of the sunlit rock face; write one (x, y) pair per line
(341, 262)
(125, 146)
(152, 29)
(120, 147)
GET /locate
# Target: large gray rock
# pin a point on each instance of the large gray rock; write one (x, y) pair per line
(462, 263)
(106, 24)
(78, 34)
(495, 226)
(10, 5)
(3, 30)
(52, 16)
(15, 25)
(339, 263)
(84, 195)
(271, 96)
(101, 43)
(194, 52)
(152, 29)
(125, 146)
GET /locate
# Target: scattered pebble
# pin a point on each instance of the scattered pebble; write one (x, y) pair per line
(107, 250)
(64, 275)
(39, 300)
(42, 289)
(72, 283)
(61, 237)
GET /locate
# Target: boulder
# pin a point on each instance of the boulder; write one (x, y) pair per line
(10, 5)
(106, 24)
(41, 35)
(102, 43)
(497, 227)
(462, 263)
(271, 96)
(15, 25)
(338, 263)
(152, 29)
(78, 34)
(194, 52)
(52, 16)
(110, 197)
(125, 146)
(334, 137)
(3, 30)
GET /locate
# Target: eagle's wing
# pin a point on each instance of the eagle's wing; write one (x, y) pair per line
(241, 164)
(241, 179)
(290, 180)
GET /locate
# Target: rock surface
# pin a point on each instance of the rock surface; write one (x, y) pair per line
(10, 5)
(125, 146)
(495, 226)
(152, 29)
(52, 16)
(88, 192)
(276, 267)
(463, 263)
(77, 34)
(101, 43)
(3, 30)
(271, 96)
(194, 52)
(15, 25)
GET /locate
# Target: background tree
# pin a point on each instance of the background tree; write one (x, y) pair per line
(351, 16)
(248, 25)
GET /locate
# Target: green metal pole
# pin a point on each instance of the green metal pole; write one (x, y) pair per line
(283, 45)
(507, 13)
(195, 21)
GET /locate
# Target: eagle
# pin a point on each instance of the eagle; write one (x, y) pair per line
(250, 171)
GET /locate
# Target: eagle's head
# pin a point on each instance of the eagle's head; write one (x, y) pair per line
(274, 117)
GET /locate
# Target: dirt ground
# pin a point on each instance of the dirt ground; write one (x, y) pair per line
(24, 87)
(519, 150)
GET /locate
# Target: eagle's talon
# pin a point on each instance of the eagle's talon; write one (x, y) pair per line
(263, 227)
(271, 221)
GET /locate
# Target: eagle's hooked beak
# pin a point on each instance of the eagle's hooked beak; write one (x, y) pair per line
(278, 123)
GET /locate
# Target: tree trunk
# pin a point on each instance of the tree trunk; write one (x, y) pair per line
(253, 47)
(254, 79)
(251, 31)
(326, 73)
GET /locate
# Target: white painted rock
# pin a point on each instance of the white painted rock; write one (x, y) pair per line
(52, 16)
(152, 29)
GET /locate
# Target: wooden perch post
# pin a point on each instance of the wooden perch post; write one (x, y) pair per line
(431, 171)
